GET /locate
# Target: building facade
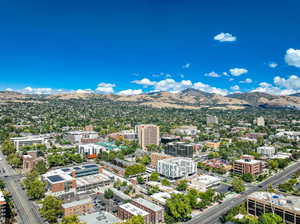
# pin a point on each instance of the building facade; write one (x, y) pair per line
(126, 211)
(267, 151)
(176, 167)
(148, 134)
(287, 207)
(156, 212)
(78, 207)
(180, 149)
(247, 164)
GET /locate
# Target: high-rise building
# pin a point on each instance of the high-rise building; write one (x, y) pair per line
(210, 120)
(148, 134)
(179, 149)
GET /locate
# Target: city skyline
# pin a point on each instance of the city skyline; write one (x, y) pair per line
(133, 47)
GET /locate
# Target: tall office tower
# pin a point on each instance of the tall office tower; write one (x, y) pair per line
(148, 134)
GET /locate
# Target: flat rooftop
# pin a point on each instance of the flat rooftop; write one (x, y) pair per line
(206, 179)
(77, 203)
(248, 161)
(99, 218)
(133, 209)
(289, 202)
(91, 179)
(148, 204)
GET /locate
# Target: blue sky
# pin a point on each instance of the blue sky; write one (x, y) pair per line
(141, 46)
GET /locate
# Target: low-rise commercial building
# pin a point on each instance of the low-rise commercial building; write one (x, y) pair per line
(267, 151)
(176, 167)
(247, 164)
(67, 182)
(82, 136)
(102, 217)
(30, 160)
(211, 120)
(126, 211)
(156, 212)
(203, 182)
(27, 141)
(79, 207)
(287, 207)
(91, 150)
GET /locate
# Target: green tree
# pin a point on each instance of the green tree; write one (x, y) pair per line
(182, 185)
(135, 169)
(154, 176)
(72, 219)
(248, 177)
(108, 194)
(51, 209)
(178, 207)
(36, 189)
(270, 218)
(165, 182)
(2, 184)
(134, 220)
(8, 147)
(140, 180)
(238, 185)
(14, 160)
(41, 167)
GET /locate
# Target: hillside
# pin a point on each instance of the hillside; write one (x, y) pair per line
(186, 99)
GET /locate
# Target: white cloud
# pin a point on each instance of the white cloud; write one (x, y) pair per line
(225, 37)
(247, 80)
(187, 65)
(238, 71)
(129, 92)
(212, 74)
(144, 82)
(105, 88)
(293, 82)
(181, 76)
(273, 64)
(292, 57)
(84, 91)
(235, 88)
(231, 79)
(9, 89)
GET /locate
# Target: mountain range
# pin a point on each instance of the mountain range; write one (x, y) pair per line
(186, 99)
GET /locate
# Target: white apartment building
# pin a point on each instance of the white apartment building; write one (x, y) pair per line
(267, 151)
(78, 136)
(186, 130)
(28, 140)
(176, 167)
(260, 121)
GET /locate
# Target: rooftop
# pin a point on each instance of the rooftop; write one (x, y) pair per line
(148, 204)
(99, 218)
(289, 202)
(76, 203)
(133, 209)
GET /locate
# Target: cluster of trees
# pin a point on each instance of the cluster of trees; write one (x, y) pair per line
(51, 209)
(134, 220)
(13, 158)
(135, 169)
(179, 206)
(238, 185)
(62, 159)
(278, 163)
(267, 218)
(288, 186)
(35, 188)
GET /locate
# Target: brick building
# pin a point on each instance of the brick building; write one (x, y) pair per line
(78, 207)
(156, 212)
(126, 211)
(247, 164)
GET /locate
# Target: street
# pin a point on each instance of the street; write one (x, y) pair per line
(27, 213)
(213, 214)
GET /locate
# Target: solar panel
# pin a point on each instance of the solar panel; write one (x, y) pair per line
(90, 166)
(65, 169)
(55, 178)
(77, 168)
